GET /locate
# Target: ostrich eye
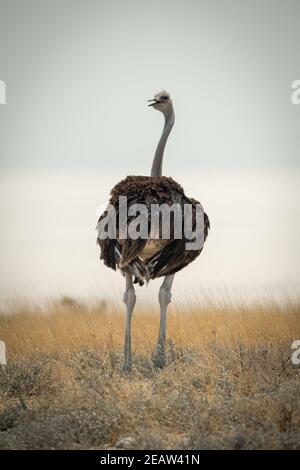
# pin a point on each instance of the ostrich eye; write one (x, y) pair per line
(164, 97)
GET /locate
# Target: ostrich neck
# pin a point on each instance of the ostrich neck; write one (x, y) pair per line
(158, 157)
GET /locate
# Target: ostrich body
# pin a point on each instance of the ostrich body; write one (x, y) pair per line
(143, 259)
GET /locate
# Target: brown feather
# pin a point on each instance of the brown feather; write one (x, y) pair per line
(163, 256)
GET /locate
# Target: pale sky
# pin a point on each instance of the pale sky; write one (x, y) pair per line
(78, 74)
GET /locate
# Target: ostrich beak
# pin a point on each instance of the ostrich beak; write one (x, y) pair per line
(154, 101)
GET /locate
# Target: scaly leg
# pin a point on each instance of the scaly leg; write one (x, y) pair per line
(164, 297)
(129, 300)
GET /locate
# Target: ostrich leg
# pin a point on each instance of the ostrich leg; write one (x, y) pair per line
(164, 297)
(129, 300)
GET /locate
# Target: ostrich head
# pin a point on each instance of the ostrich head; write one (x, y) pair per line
(161, 101)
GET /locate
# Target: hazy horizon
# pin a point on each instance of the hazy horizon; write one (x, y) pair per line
(48, 237)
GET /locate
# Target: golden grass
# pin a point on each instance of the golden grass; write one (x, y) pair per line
(66, 326)
(229, 381)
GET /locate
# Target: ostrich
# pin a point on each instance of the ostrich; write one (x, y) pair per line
(140, 260)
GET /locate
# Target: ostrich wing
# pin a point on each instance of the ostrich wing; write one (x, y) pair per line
(174, 256)
(109, 248)
(119, 251)
(128, 253)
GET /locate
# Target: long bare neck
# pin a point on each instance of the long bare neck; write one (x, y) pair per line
(156, 169)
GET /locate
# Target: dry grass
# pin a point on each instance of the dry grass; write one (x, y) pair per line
(229, 382)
